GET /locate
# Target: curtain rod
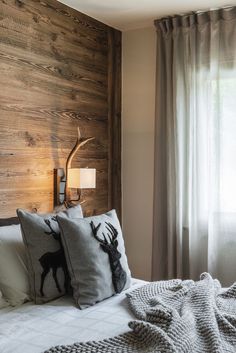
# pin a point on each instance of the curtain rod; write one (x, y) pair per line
(197, 12)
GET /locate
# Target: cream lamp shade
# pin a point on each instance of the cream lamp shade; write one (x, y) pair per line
(81, 178)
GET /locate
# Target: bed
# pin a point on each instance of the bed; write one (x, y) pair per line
(31, 328)
(165, 316)
(54, 317)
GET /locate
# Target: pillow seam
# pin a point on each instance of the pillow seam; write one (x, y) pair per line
(67, 254)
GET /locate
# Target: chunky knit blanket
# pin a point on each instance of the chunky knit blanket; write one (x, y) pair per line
(174, 317)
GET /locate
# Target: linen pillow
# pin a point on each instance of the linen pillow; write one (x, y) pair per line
(48, 274)
(95, 255)
(14, 276)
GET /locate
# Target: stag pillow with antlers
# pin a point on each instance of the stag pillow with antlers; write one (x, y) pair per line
(95, 254)
(48, 273)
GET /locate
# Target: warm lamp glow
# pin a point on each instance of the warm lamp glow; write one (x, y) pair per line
(73, 178)
(81, 178)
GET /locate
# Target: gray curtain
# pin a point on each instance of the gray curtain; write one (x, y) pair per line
(195, 146)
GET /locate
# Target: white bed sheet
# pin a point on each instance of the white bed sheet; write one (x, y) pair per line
(33, 328)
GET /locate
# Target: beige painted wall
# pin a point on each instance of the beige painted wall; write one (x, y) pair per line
(138, 111)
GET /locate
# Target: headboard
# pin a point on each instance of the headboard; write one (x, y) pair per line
(8, 221)
(58, 68)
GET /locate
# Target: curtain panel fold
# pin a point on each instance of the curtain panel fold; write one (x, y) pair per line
(195, 146)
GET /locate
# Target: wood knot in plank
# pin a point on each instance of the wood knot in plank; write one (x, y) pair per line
(19, 3)
(54, 36)
(29, 139)
(36, 18)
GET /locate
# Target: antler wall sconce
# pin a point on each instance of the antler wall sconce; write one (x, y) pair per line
(73, 178)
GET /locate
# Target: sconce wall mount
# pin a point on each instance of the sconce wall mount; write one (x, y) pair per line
(73, 177)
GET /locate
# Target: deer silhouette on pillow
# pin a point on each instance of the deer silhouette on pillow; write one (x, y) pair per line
(54, 260)
(110, 247)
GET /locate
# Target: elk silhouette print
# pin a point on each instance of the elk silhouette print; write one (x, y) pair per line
(54, 260)
(109, 244)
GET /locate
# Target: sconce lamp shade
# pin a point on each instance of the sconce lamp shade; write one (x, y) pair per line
(81, 178)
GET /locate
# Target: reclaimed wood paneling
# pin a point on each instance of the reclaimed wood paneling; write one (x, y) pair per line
(58, 68)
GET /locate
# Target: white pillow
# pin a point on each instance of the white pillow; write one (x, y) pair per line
(14, 282)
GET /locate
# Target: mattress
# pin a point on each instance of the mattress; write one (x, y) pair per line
(33, 328)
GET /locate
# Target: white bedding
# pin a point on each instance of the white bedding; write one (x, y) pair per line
(33, 328)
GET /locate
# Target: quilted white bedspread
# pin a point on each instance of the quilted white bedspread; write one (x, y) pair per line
(33, 328)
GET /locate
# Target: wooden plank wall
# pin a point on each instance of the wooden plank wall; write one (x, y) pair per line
(58, 68)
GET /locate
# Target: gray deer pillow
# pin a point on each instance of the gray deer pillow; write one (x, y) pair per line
(48, 273)
(95, 254)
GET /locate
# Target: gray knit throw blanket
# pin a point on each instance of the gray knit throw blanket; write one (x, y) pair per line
(174, 317)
